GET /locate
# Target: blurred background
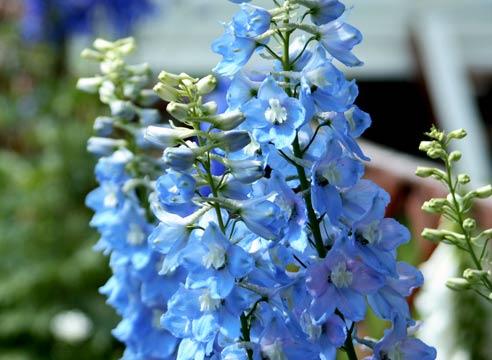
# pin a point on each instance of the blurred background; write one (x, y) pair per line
(427, 62)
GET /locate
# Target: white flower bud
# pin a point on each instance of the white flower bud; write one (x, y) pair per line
(90, 84)
(458, 284)
(457, 134)
(167, 92)
(167, 137)
(227, 121)
(206, 85)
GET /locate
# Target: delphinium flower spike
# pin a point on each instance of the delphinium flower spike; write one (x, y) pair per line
(265, 242)
(456, 208)
(125, 170)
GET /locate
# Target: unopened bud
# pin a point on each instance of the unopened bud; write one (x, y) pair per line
(424, 171)
(103, 146)
(91, 54)
(206, 85)
(166, 92)
(178, 111)
(457, 284)
(122, 109)
(233, 140)
(173, 79)
(147, 98)
(227, 121)
(434, 206)
(180, 158)
(484, 192)
(90, 84)
(436, 153)
(457, 134)
(103, 45)
(474, 275)
(246, 171)
(433, 235)
(426, 145)
(167, 137)
(436, 134)
(463, 179)
(455, 156)
(103, 125)
(469, 224)
(209, 108)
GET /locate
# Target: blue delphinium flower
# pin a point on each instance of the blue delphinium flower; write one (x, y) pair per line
(254, 235)
(273, 115)
(55, 20)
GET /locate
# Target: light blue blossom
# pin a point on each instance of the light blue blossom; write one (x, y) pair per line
(274, 116)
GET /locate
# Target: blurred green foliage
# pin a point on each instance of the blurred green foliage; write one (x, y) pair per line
(47, 265)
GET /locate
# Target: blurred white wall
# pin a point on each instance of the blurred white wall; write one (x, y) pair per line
(178, 37)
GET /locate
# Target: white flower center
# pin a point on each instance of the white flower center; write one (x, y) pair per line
(110, 200)
(156, 318)
(311, 329)
(340, 276)
(135, 235)
(274, 351)
(276, 113)
(215, 257)
(207, 303)
(371, 233)
(395, 353)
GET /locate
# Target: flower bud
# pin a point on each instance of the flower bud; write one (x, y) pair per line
(457, 134)
(426, 145)
(436, 153)
(436, 134)
(433, 235)
(474, 275)
(122, 109)
(167, 92)
(178, 111)
(147, 97)
(227, 121)
(246, 171)
(206, 85)
(90, 84)
(103, 125)
(483, 192)
(455, 156)
(434, 206)
(209, 108)
(167, 137)
(424, 171)
(125, 46)
(90, 54)
(173, 79)
(139, 69)
(103, 45)
(469, 224)
(458, 284)
(233, 140)
(463, 179)
(180, 158)
(149, 116)
(103, 146)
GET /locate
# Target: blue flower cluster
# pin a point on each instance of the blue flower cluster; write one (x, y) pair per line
(123, 171)
(55, 20)
(259, 237)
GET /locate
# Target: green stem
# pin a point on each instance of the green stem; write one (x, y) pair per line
(305, 187)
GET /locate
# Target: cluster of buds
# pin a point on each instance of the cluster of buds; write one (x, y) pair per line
(456, 208)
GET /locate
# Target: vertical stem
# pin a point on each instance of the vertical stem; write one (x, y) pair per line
(313, 220)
